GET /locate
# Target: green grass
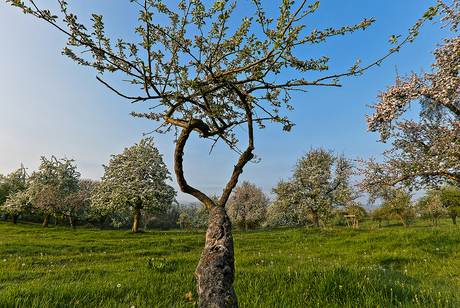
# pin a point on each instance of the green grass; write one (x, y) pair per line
(292, 267)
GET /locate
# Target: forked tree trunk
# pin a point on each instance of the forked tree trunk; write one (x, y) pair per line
(46, 221)
(215, 272)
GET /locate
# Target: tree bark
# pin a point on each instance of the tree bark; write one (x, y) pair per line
(46, 221)
(101, 222)
(137, 218)
(315, 220)
(215, 272)
(73, 222)
(402, 220)
(15, 218)
(454, 220)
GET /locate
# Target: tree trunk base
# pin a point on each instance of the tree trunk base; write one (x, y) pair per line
(47, 219)
(215, 272)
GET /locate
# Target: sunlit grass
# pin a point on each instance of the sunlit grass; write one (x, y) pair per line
(294, 267)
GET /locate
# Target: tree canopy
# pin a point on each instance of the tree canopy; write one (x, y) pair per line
(51, 184)
(205, 71)
(135, 181)
(247, 205)
(319, 182)
(424, 152)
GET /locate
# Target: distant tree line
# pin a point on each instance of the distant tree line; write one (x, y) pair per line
(318, 193)
(133, 184)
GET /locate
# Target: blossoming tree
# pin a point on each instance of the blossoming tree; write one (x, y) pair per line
(425, 152)
(320, 182)
(209, 75)
(48, 187)
(247, 205)
(134, 182)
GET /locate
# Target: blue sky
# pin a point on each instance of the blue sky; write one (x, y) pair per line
(51, 106)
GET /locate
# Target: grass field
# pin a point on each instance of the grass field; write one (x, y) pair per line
(293, 267)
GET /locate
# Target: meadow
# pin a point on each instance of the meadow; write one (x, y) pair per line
(285, 267)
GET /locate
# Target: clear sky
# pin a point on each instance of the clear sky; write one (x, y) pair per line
(51, 106)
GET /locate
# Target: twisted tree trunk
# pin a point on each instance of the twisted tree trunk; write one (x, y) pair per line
(215, 272)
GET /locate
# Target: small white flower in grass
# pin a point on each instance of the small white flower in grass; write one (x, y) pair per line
(4, 260)
(437, 249)
(119, 285)
(23, 264)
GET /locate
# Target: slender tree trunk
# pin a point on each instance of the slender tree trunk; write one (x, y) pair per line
(137, 218)
(380, 223)
(101, 222)
(402, 220)
(46, 221)
(315, 220)
(454, 220)
(73, 222)
(215, 272)
(15, 218)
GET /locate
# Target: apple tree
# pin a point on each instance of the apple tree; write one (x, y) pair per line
(320, 182)
(209, 69)
(134, 182)
(48, 187)
(423, 152)
(247, 205)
